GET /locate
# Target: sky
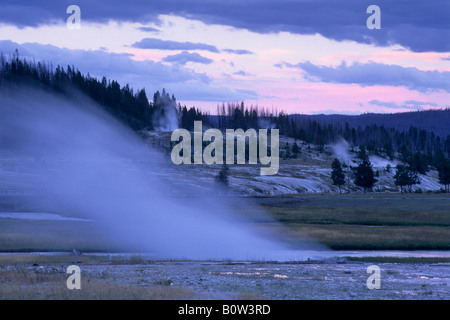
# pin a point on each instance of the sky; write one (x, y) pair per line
(296, 56)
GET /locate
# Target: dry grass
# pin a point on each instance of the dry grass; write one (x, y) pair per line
(29, 284)
(43, 277)
(35, 258)
(250, 295)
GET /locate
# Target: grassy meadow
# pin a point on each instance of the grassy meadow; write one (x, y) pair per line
(372, 221)
(17, 235)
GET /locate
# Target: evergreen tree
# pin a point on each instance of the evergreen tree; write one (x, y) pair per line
(364, 175)
(295, 150)
(388, 168)
(362, 154)
(405, 154)
(444, 174)
(287, 151)
(405, 176)
(388, 149)
(419, 163)
(337, 175)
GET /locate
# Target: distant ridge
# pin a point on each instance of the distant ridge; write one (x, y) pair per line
(437, 121)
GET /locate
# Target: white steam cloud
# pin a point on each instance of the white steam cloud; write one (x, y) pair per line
(341, 151)
(165, 117)
(88, 162)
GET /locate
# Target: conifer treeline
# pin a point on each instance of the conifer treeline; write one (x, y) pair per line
(417, 147)
(133, 108)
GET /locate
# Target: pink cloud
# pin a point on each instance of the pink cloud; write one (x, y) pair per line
(348, 98)
(424, 61)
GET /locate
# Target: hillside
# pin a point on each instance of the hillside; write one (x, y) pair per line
(310, 172)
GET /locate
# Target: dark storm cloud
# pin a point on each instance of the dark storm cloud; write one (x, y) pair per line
(415, 24)
(371, 74)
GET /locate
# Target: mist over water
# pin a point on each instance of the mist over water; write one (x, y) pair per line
(89, 163)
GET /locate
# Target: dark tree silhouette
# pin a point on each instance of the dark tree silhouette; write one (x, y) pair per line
(364, 175)
(405, 176)
(444, 174)
(295, 150)
(337, 175)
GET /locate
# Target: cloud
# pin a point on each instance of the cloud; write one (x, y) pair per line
(98, 63)
(149, 29)
(421, 103)
(238, 51)
(186, 84)
(415, 24)
(241, 73)
(372, 74)
(283, 64)
(185, 57)
(153, 43)
(392, 105)
(334, 111)
(409, 104)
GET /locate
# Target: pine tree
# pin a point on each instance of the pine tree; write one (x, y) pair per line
(444, 174)
(419, 163)
(337, 175)
(405, 176)
(364, 175)
(388, 168)
(287, 151)
(388, 149)
(362, 154)
(295, 150)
